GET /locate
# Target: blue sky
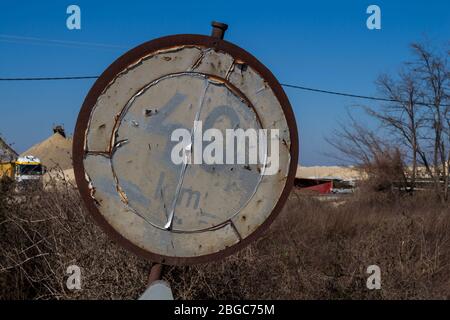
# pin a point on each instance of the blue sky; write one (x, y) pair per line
(323, 44)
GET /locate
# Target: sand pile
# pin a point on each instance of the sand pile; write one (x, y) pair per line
(346, 173)
(59, 176)
(55, 152)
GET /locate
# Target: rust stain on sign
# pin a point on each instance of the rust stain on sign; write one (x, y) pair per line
(181, 213)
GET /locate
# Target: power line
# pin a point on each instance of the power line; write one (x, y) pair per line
(352, 95)
(337, 93)
(48, 78)
(40, 41)
(35, 40)
(344, 94)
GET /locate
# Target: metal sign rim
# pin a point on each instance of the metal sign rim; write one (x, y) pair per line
(111, 72)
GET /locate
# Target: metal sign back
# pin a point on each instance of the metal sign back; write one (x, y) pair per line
(189, 212)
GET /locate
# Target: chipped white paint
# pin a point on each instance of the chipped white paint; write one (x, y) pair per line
(134, 183)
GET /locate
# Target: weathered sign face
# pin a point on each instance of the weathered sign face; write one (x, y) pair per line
(185, 149)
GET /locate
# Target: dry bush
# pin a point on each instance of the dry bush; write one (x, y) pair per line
(42, 232)
(385, 172)
(314, 250)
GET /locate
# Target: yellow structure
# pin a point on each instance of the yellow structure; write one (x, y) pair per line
(23, 169)
(7, 170)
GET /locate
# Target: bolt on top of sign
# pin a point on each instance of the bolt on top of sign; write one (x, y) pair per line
(185, 148)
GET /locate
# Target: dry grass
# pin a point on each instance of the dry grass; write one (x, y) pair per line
(318, 251)
(43, 233)
(314, 250)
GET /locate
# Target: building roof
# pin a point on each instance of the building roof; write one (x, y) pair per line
(7, 153)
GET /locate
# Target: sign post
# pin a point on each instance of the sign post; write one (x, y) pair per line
(185, 149)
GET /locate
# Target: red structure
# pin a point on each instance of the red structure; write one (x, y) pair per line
(316, 185)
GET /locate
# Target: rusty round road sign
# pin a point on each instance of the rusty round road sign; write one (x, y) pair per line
(189, 212)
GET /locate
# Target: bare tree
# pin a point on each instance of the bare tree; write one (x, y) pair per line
(403, 116)
(380, 160)
(416, 120)
(431, 69)
(355, 142)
